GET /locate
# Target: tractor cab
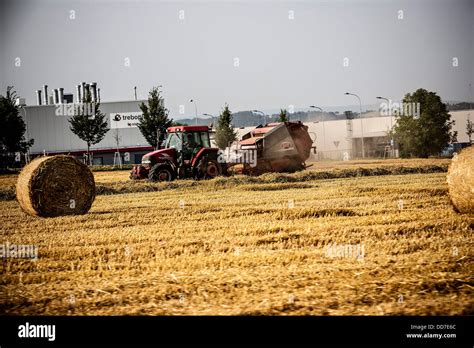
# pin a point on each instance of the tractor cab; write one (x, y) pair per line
(186, 153)
(187, 141)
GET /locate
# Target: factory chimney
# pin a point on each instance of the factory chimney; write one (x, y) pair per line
(61, 95)
(78, 94)
(87, 94)
(38, 96)
(45, 91)
(94, 91)
(56, 96)
(83, 91)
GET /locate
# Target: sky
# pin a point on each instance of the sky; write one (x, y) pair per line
(261, 55)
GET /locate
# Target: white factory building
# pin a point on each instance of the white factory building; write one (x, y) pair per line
(48, 125)
(52, 135)
(339, 139)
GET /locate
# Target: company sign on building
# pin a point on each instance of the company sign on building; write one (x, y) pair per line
(125, 119)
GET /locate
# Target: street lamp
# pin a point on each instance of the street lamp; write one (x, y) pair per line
(391, 122)
(388, 101)
(195, 108)
(211, 116)
(158, 134)
(322, 121)
(263, 114)
(361, 124)
(158, 87)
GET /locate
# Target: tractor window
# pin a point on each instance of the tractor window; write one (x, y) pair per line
(174, 140)
(196, 139)
(205, 139)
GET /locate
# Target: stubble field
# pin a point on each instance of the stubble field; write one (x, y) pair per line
(299, 244)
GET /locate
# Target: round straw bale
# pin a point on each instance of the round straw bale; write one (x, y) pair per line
(461, 181)
(55, 186)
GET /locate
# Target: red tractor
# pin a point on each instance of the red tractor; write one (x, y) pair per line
(187, 153)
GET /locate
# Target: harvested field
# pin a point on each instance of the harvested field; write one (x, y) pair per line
(116, 182)
(278, 244)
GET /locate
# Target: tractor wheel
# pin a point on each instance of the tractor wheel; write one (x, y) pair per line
(208, 169)
(161, 173)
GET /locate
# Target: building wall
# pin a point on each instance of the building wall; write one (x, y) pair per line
(339, 140)
(52, 134)
(460, 118)
(334, 139)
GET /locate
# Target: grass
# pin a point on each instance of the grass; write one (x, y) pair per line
(241, 245)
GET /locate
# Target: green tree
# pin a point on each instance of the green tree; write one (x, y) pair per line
(469, 129)
(349, 114)
(13, 128)
(283, 117)
(225, 133)
(155, 119)
(89, 123)
(427, 133)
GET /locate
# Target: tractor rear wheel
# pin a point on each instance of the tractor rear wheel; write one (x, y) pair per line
(161, 173)
(208, 168)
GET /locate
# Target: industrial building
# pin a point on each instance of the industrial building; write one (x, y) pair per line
(47, 123)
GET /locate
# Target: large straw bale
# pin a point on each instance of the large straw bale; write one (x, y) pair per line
(54, 186)
(461, 181)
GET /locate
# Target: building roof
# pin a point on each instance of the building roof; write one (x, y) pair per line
(188, 129)
(249, 141)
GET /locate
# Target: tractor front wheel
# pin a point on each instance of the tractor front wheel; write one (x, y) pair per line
(161, 173)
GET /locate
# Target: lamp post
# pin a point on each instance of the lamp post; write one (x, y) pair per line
(391, 122)
(322, 121)
(388, 101)
(195, 109)
(263, 114)
(211, 116)
(158, 135)
(361, 124)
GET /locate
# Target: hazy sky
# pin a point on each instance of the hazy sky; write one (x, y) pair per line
(281, 61)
